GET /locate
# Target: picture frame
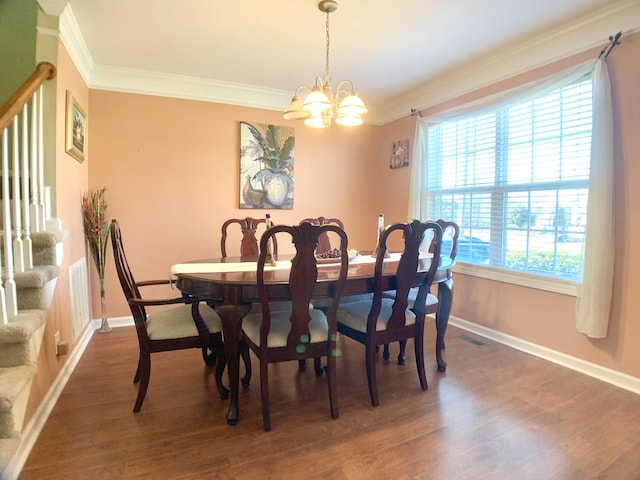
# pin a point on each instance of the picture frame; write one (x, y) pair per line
(267, 160)
(400, 154)
(75, 129)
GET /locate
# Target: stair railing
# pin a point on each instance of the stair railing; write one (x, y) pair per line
(22, 162)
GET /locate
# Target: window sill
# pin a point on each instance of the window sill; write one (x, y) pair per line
(539, 282)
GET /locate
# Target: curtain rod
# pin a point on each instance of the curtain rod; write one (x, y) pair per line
(613, 41)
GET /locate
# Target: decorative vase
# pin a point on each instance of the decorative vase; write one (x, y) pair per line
(277, 190)
(104, 325)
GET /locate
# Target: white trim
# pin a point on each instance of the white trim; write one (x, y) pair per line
(539, 282)
(33, 429)
(607, 375)
(583, 33)
(72, 39)
(181, 86)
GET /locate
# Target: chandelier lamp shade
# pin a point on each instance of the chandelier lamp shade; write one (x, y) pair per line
(318, 105)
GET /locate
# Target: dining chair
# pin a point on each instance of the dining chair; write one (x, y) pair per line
(187, 324)
(301, 332)
(324, 243)
(450, 234)
(384, 320)
(249, 242)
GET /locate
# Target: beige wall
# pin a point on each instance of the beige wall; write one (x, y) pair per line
(171, 171)
(72, 177)
(544, 318)
(171, 168)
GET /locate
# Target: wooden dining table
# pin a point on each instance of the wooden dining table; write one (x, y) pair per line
(229, 285)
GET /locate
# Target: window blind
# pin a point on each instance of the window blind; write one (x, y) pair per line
(516, 181)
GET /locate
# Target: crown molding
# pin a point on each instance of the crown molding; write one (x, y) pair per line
(52, 7)
(582, 34)
(577, 36)
(72, 39)
(181, 86)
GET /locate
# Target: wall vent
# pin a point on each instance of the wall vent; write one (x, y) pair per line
(79, 293)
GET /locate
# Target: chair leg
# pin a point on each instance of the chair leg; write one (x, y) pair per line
(264, 394)
(246, 358)
(333, 397)
(317, 366)
(302, 365)
(385, 351)
(136, 376)
(401, 357)
(217, 353)
(209, 357)
(370, 360)
(143, 374)
(418, 342)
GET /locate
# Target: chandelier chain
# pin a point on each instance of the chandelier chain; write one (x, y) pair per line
(326, 73)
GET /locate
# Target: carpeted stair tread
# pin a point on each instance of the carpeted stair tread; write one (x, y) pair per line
(22, 327)
(36, 277)
(12, 381)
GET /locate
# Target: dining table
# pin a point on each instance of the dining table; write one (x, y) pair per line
(229, 284)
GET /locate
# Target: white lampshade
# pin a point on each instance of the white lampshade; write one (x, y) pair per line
(352, 105)
(316, 102)
(348, 120)
(315, 121)
(295, 111)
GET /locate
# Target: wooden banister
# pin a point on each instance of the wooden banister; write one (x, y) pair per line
(44, 71)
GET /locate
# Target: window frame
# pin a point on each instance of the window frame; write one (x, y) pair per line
(498, 192)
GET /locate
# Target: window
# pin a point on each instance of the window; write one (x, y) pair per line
(516, 181)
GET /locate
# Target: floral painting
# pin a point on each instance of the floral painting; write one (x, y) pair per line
(266, 166)
(400, 154)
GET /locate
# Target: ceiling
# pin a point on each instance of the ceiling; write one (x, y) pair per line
(391, 51)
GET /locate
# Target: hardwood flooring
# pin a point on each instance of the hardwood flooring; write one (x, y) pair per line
(495, 414)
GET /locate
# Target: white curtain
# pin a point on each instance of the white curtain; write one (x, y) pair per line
(593, 310)
(594, 294)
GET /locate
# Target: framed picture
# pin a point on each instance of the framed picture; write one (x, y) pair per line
(400, 154)
(75, 129)
(266, 166)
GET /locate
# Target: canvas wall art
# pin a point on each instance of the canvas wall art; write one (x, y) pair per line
(266, 166)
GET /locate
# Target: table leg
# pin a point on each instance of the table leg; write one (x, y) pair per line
(445, 297)
(231, 317)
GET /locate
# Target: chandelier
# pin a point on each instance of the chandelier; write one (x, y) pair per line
(318, 106)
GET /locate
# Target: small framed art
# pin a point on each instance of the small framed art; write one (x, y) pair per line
(75, 129)
(400, 154)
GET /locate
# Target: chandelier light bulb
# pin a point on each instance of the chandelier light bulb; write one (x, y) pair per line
(320, 106)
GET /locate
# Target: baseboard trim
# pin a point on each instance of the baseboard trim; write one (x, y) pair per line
(607, 375)
(32, 431)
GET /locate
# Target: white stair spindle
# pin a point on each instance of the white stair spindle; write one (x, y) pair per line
(26, 234)
(3, 301)
(36, 227)
(18, 253)
(7, 271)
(41, 209)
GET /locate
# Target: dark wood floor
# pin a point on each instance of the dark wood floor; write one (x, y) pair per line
(495, 414)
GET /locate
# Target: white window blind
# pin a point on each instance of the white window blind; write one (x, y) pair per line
(516, 181)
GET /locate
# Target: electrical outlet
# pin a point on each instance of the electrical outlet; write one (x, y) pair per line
(56, 341)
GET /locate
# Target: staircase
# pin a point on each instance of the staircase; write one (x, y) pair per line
(30, 254)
